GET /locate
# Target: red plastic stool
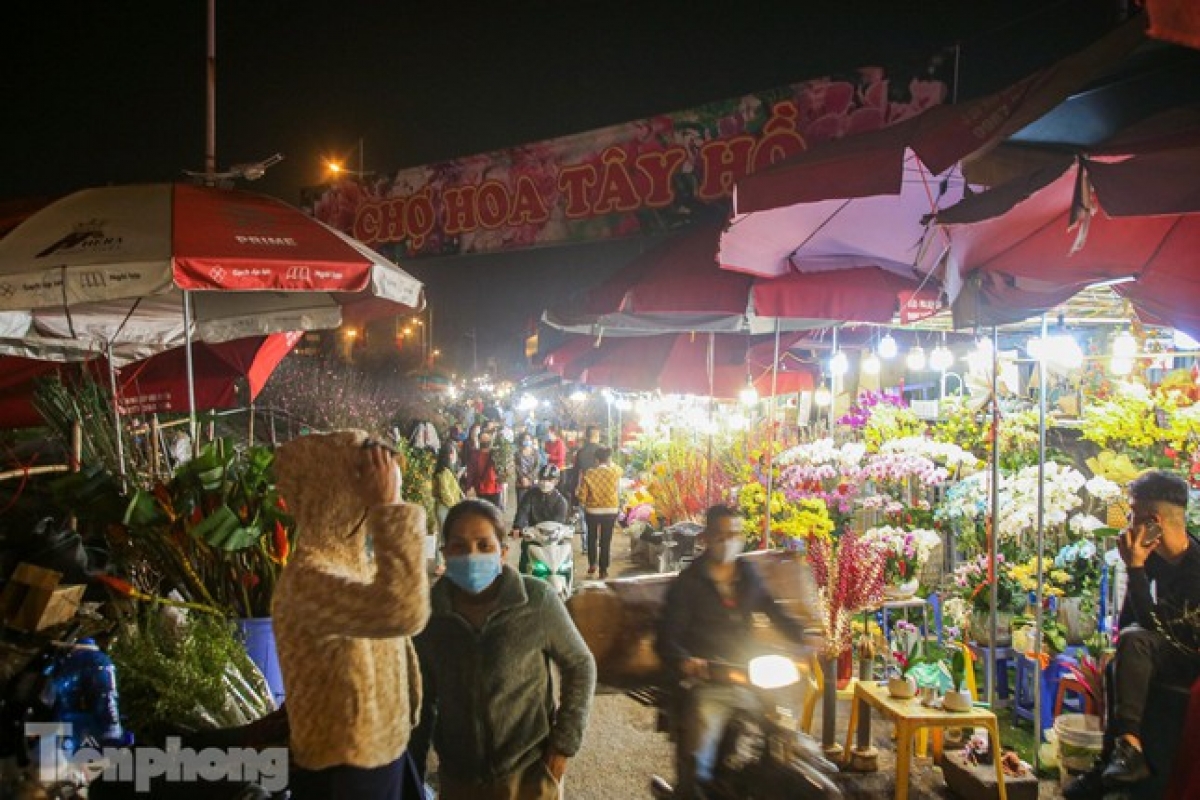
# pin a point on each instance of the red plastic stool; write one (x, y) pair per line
(1075, 687)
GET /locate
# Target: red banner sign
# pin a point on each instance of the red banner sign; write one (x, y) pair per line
(641, 177)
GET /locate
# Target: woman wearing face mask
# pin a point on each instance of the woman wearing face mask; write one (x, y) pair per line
(485, 659)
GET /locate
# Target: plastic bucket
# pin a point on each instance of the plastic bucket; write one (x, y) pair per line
(259, 637)
(1080, 740)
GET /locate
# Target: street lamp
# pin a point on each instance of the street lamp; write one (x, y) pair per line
(338, 169)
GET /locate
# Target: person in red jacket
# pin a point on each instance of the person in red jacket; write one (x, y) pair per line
(481, 472)
(556, 449)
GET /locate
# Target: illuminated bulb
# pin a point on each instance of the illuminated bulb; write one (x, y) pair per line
(578, 396)
(887, 347)
(941, 359)
(1060, 349)
(871, 365)
(839, 365)
(1120, 366)
(916, 359)
(748, 395)
(1124, 347)
(822, 397)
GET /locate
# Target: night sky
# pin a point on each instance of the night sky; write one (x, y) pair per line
(100, 93)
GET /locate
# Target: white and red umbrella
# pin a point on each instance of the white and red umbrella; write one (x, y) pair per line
(151, 267)
(111, 266)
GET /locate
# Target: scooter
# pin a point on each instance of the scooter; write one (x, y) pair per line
(763, 755)
(546, 553)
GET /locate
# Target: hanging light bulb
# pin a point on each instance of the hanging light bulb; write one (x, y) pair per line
(839, 365)
(1124, 347)
(1060, 348)
(887, 347)
(941, 359)
(916, 359)
(822, 397)
(871, 365)
(748, 395)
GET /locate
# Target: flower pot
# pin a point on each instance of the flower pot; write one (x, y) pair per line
(981, 630)
(1078, 623)
(957, 700)
(903, 591)
(902, 688)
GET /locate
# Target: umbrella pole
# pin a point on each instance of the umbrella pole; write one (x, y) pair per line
(1041, 547)
(191, 373)
(994, 594)
(250, 435)
(766, 536)
(116, 401)
(834, 385)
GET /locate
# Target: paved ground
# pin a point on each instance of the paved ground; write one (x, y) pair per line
(622, 750)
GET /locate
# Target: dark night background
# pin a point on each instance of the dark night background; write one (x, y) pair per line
(99, 93)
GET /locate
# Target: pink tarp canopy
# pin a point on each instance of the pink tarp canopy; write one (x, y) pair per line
(678, 286)
(1028, 245)
(864, 200)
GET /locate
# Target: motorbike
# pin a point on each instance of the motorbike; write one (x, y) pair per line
(762, 754)
(546, 553)
(672, 548)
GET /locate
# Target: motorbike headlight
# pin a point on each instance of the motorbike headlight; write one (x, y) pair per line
(772, 672)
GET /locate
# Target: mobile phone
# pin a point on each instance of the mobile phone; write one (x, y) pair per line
(1153, 532)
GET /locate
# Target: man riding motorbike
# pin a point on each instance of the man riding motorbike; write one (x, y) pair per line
(544, 504)
(707, 617)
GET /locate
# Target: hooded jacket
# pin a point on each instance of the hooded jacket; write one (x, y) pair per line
(342, 619)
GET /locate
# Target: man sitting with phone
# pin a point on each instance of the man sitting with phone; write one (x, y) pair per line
(1155, 644)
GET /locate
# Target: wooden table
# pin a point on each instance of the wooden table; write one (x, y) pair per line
(909, 716)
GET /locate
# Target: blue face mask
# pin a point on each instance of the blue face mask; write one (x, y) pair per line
(473, 572)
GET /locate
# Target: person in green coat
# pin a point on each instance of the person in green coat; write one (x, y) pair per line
(489, 708)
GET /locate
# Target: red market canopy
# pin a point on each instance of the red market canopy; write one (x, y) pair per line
(865, 200)
(157, 384)
(1132, 218)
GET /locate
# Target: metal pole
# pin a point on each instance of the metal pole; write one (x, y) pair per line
(993, 549)
(116, 401)
(711, 367)
(191, 373)
(210, 138)
(766, 537)
(1041, 547)
(834, 384)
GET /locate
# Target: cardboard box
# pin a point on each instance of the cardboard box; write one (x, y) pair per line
(33, 600)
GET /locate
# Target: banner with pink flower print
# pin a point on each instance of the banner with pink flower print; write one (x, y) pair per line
(641, 177)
